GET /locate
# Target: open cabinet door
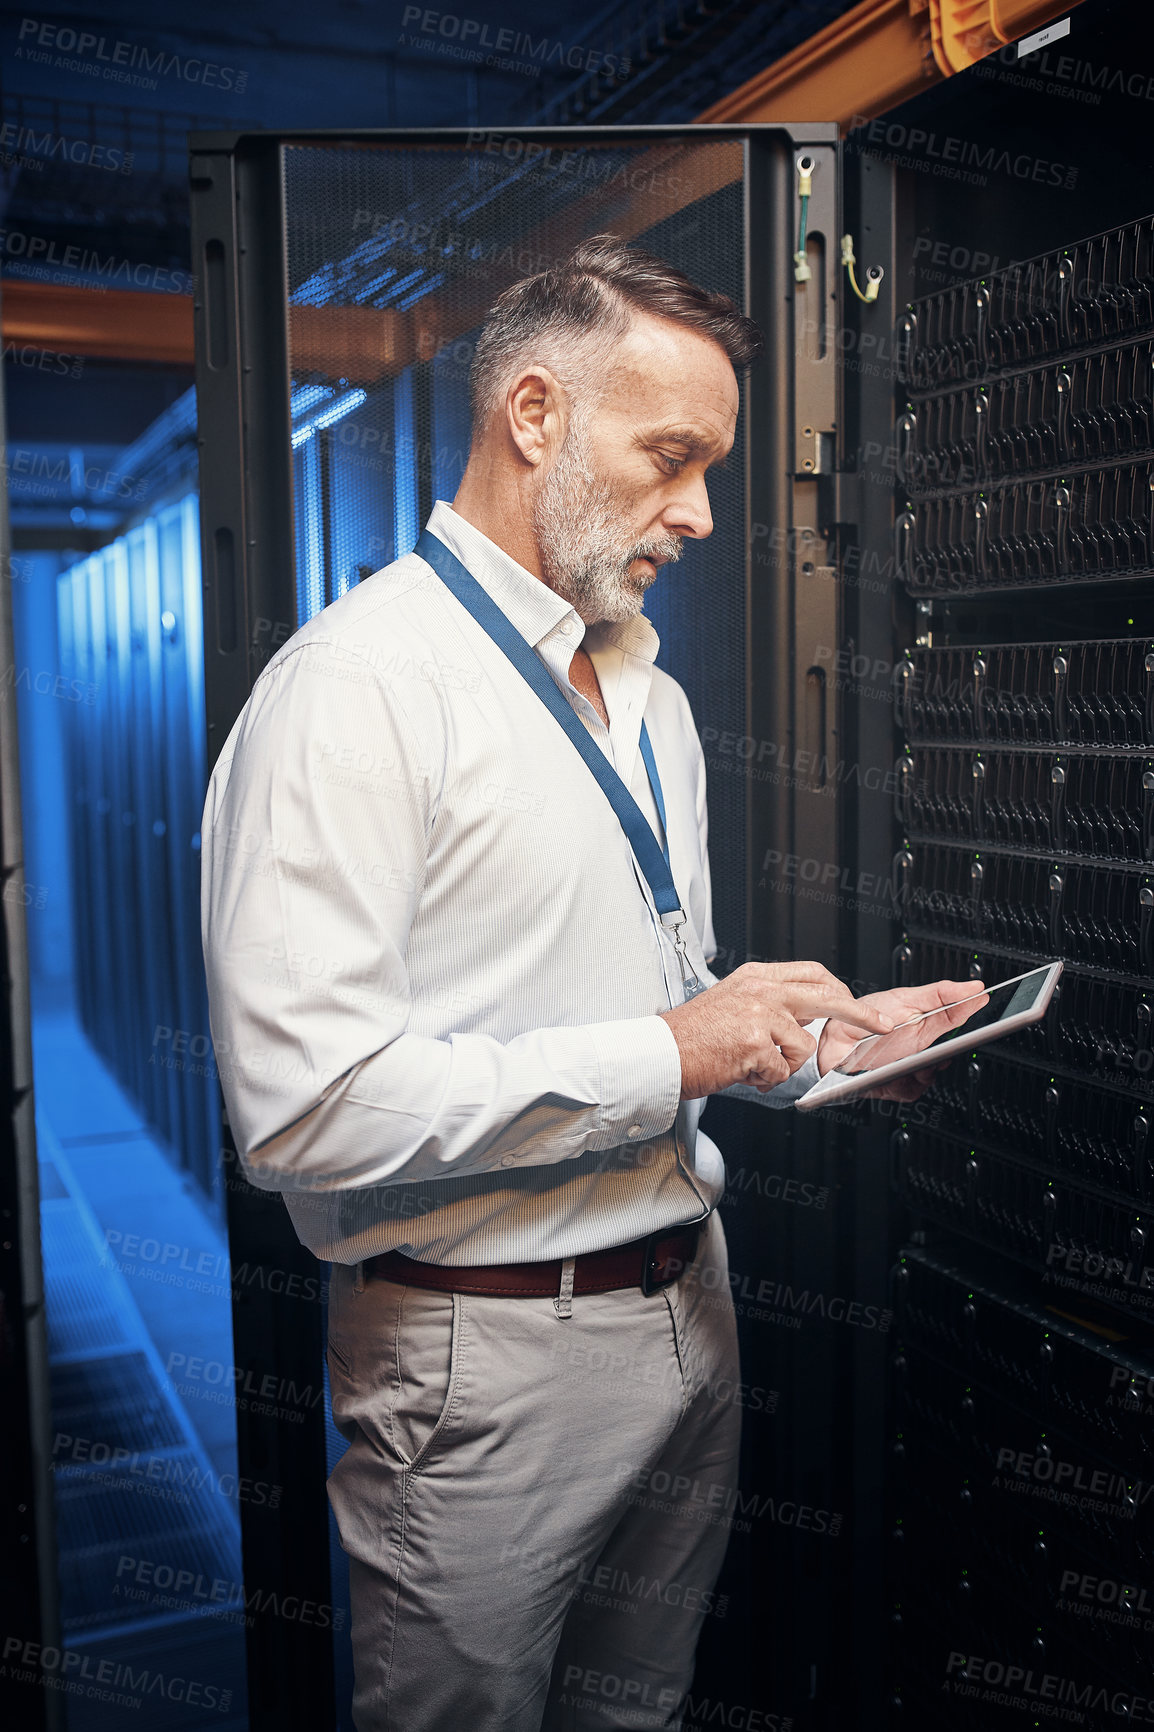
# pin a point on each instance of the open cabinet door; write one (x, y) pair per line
(342, 281)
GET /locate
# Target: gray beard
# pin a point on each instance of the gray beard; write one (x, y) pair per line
(576, 520)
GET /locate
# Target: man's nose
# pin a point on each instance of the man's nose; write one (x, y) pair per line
(689, 513)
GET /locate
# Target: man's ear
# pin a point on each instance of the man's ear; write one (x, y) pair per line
(535, 412)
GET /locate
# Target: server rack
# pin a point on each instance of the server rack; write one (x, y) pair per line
(1019, 1502)
(132, 669)
(855, 845)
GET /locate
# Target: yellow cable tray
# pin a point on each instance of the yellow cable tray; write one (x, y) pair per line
(963, 31)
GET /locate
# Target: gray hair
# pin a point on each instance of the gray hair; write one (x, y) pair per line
(571, 316)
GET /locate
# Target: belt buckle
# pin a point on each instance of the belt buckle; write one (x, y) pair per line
(649, 1282)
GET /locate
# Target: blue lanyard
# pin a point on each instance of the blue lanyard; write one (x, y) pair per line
(655, 787)
(653, 861)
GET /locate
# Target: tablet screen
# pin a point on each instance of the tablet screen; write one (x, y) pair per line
(923, 1033)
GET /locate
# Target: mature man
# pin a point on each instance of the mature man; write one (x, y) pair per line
(456, 916)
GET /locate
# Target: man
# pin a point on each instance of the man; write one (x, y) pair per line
(457, 1033)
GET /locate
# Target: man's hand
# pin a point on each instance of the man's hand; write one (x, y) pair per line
(747, 1027)
(839, 1035)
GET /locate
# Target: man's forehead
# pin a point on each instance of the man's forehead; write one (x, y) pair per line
(668, 372)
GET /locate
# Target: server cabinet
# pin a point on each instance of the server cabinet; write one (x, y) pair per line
(1019, 1501)
(909, 778)
(132, 659)
(341, 284)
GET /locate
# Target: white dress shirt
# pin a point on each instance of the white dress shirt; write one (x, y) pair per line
(434, 968)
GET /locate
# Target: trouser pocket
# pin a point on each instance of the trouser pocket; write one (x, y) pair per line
(426, 1340)
(392, 1353)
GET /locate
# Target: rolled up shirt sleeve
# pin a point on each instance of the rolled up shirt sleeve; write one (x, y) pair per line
(315, 840)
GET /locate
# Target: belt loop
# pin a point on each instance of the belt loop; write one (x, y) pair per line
(563, 1304)
(359, 1277)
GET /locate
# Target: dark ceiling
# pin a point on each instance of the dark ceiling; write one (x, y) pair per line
(96, 106)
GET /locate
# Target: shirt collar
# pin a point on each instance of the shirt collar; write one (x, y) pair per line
(534, 608)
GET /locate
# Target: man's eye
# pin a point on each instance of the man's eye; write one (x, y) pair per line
(673, 465)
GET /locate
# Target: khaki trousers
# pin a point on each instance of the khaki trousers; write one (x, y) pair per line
(535, 1508)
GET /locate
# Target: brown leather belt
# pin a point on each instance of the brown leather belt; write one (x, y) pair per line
(650, 1264)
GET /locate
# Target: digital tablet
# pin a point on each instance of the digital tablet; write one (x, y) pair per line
(936, 1035)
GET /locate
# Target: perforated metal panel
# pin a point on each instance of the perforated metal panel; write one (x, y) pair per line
(395, 253)
(345, 279)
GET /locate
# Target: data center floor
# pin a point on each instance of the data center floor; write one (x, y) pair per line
(140, 1348)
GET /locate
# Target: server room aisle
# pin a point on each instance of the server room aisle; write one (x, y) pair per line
(138, 1293)
(139, 1327)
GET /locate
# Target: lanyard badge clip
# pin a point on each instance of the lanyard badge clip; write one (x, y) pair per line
(691, 983)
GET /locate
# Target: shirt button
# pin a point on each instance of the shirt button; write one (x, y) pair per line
(566, 626)
(507, 1160)
(635, 1130)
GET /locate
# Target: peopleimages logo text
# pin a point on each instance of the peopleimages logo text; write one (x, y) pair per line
(40, 251)
(546, 51)
(962, 152)
(44, 146)
(119, 59)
